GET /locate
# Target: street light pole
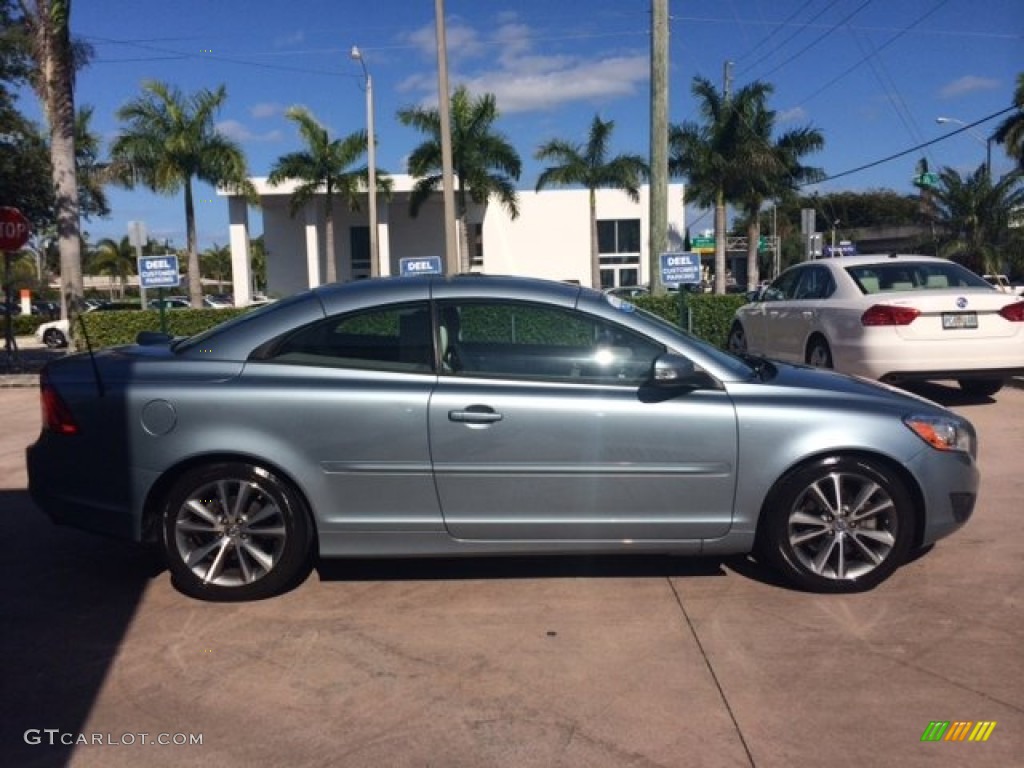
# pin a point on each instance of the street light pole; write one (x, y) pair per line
(371, 162)
(986, 140)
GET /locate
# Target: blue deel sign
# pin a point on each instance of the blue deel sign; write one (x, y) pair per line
(680, 268)
(159, 272)
(424, 265)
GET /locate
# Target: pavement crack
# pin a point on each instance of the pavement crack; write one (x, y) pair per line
(711, 671)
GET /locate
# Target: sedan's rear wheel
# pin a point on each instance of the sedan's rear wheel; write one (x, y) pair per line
(737, 341)
(234, 531)
(54, 338)
(981, 387)
(838, 525)
(818, 353)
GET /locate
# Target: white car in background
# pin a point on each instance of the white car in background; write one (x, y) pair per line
(892, 318)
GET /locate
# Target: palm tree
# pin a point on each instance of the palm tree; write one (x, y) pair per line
(216, 261)
(589, 166)
(48, 24)
(483, 161)
(93, 173)
(1010, 132)
(973, 214)
(325, 166)
(716, 154)
(168, 143)
(772, 171)
(115, 258)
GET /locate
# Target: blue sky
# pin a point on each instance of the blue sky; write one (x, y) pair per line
(872, 75)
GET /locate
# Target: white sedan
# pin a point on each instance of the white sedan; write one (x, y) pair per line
(892, 318)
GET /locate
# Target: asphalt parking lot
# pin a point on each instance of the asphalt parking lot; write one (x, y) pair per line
(526, 662)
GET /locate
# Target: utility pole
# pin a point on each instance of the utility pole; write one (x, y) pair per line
(720, 268)
(658, 197)
(451, 256)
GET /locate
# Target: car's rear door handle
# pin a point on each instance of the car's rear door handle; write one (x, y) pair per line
(475, 414)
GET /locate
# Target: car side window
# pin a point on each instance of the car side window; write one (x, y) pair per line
(784, 287)
(815, 283)
(398, 338)
(528, 341)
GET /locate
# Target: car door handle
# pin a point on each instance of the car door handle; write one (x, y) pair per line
(475, 414)
(807, 313)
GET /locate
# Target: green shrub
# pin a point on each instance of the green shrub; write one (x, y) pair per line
(710, 314)
(114, 328)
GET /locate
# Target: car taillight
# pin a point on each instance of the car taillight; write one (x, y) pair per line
(1013, 312)
(887, 314)
(56, 414)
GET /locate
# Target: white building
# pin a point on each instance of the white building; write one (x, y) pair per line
(550, 238)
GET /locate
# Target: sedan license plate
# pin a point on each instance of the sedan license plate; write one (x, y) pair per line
(955, 320)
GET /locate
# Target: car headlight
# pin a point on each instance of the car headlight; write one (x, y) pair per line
(942, 433)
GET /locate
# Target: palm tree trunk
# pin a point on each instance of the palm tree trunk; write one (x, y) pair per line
(332, 262)
(195, 282)
(753, 243)
(595, 255)
(462, 222)
(720, 243)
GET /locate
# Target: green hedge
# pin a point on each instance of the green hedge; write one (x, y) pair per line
(113, 328)
(711, 314)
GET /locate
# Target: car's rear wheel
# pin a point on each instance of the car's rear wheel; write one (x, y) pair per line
(841, 524)
(233, 531)
(54, 338)
(818, 353)
(737, 341)
(981, 387)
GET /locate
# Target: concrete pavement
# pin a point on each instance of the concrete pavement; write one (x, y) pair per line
(524, 662)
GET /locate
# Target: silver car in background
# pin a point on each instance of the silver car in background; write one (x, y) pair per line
(484, 415)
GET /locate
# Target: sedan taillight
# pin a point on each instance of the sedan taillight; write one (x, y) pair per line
(57, 416)
(887, 314)
(1013, 312)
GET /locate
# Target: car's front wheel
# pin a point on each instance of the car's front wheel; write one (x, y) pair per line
(737, 341)
(54, 338)
(234, 531)
(841, 524)
(981, 387)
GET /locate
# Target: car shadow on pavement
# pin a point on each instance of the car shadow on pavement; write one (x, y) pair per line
(946, 395)
(518, 567)
(68, 598)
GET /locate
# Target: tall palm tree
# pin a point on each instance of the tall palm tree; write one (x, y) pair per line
(115, 258)
(973, 214)
(1010, 132)
(483, 160)
(716, 154)
(48, 24)
(93, 173)
(169, 142)
(326, 166)
(771, 169)
(589, 165)
(216, 262)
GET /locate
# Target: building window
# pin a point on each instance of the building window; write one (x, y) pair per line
(476, 246)
(359, 247)
(618, 243)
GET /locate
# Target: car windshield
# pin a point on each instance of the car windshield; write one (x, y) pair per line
(882, 277)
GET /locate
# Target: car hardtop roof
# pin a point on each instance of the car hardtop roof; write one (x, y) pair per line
(878, 258)
(396, 288)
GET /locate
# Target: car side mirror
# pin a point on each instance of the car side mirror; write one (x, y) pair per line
(676, 371)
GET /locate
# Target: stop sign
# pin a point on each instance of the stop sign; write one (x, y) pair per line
(14, 229)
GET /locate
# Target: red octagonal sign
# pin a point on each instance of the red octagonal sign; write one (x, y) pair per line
(14, 229)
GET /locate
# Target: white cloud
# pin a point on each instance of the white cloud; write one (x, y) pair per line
(266, 109)
(286, 41)
(968, 84)
(237, 131)
(791, 115)
(521, 80)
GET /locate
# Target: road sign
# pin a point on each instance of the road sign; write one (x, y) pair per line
(926, 180)
(14, 229)
(423, 265)
(159, 271)
(845, 248)
(680, 268)
(703, 244)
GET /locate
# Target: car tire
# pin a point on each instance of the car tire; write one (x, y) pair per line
(54, 338)
(840, 524)
(234, 531)
(818, 353)
(980, 387)
(737, 340)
